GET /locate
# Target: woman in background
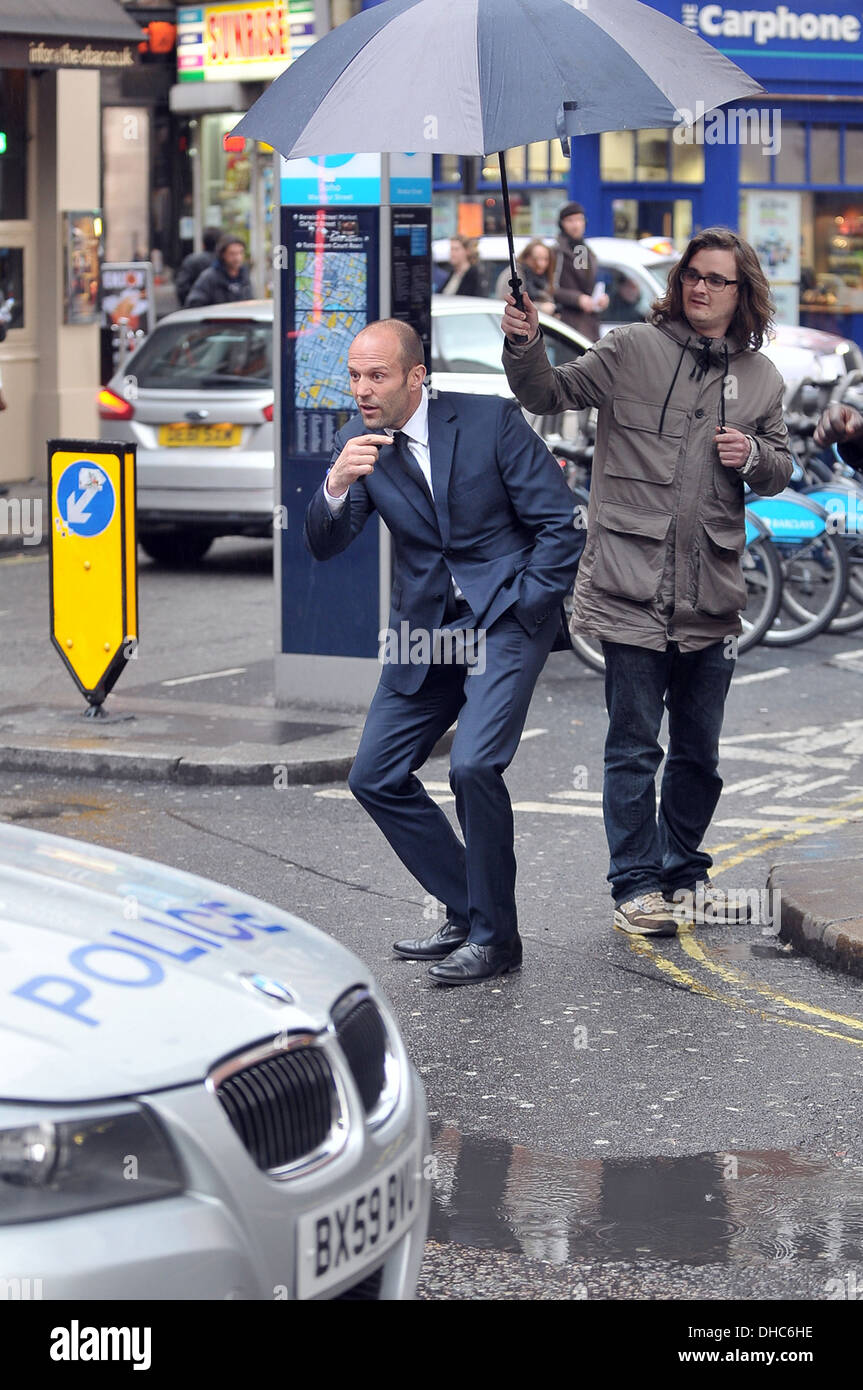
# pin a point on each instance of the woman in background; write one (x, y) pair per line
(465, 277)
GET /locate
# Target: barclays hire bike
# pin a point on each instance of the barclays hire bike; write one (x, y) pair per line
(762, 570)
(812, 549)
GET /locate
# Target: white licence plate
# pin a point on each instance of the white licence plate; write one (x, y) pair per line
(350, 1232)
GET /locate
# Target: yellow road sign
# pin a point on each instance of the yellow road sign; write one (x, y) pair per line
(93, 560)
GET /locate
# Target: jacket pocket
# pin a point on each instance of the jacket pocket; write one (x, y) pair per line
(636, 449)
(727, 482)
(630, 550)
(721, 586)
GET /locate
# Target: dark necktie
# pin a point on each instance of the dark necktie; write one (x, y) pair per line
(409, 463)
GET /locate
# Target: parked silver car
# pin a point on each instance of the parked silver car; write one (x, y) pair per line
(197, 400)
(203, 1097)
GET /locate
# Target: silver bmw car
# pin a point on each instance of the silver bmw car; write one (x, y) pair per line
(201, 1096)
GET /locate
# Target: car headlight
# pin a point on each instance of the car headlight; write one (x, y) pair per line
(64, 1167)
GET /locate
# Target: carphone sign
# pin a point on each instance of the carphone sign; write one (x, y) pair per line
(776, 38)
(721, 22)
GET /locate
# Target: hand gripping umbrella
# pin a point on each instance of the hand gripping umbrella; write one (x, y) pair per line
(472, 77)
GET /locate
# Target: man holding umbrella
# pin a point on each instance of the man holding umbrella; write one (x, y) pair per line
(661, 582)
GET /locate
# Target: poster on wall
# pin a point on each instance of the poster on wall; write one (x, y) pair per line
(127, 295)
(330, 292)
(773, 228)
(83, 257)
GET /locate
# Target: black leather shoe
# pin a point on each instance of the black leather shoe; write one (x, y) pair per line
(446, 939)
(471, 964)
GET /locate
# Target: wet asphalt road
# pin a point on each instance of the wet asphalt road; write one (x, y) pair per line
(674, 1119)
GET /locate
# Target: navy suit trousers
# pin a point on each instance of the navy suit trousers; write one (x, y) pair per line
(474, 880)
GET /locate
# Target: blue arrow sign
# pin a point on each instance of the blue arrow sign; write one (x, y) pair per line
(85, 498)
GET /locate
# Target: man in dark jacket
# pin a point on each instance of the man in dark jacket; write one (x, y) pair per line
(575, 275)
(224, 282)
(196, 263)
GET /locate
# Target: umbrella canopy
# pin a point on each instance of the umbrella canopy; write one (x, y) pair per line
(475, 76)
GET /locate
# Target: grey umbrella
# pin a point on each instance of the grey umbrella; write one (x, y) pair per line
(478, 76)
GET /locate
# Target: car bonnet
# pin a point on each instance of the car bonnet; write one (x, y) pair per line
(119, 975)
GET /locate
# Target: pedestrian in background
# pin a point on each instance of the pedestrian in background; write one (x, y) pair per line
(660, 582)
(842, 425)
(196, 263)
(575, 275)
(535, 267)
(225, 281)
(465, 277)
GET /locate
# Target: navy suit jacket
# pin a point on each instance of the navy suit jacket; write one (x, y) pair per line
(502, 523)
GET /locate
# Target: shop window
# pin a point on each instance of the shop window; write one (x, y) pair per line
(687, 161)
(558, 163)
(791, 156)
(537, 162)
(651, 156)
(225, 179)
(13, 145)
(755, 167)
(448, 168)
(617, 156)
(824, 154)
(12, 284)
(543, 162)
(854, 156)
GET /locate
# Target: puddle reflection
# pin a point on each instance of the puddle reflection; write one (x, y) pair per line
(704, 1209)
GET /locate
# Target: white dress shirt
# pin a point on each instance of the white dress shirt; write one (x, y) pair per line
(416, 431)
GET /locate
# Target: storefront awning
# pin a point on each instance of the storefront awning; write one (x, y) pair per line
(103, 20)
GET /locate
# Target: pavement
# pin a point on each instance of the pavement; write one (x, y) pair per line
(821, 902)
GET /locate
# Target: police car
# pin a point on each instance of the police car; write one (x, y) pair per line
(201, 1096)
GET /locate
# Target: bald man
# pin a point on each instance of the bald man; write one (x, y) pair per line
(485, 548)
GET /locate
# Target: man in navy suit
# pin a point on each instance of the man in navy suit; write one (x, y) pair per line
(485, 548)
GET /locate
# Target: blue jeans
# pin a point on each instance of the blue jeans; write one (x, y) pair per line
(648, 854)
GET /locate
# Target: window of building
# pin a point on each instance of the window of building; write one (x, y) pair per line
(13, 145)
(824, 154)
(854, 155)
(651, 155)
(617, 156)
(225, 179)
(687, 160)
(790, 159)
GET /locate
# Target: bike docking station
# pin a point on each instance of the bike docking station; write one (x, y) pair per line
(92, 555)
(355, 233)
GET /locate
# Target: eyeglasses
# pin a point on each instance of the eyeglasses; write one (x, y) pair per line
(690, 276)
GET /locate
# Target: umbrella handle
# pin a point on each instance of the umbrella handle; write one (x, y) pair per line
(515, 282)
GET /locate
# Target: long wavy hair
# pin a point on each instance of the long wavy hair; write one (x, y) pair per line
(755, 309)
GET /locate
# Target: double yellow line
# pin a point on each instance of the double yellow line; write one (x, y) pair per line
(749, 847)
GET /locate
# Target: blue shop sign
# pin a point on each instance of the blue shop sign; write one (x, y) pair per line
(791, 42)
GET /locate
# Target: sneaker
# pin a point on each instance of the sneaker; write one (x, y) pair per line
(708, 905)
(646, 915)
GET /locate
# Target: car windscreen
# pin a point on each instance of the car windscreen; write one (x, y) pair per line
(212, 354)
(469, 342)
